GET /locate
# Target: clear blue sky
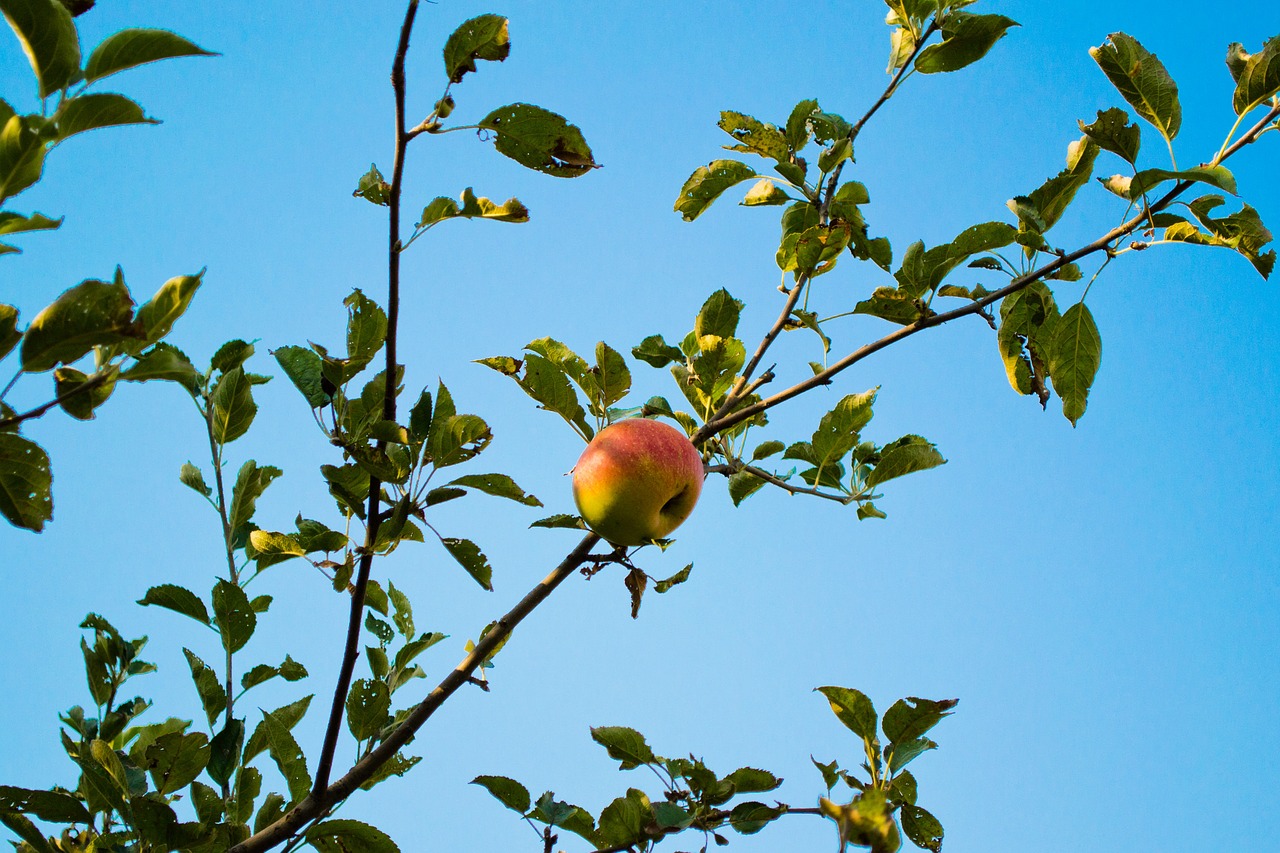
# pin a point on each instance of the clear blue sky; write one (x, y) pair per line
(1103, 600)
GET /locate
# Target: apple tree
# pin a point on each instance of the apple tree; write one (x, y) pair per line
(223, 774)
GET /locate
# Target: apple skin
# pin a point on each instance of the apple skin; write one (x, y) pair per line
(637, 480)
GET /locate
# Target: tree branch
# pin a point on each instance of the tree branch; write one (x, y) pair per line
(719, 425)
(318, 802)
(352, 648)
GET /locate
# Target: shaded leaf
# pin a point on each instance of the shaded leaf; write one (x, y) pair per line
(625, 745)
(89, 314)
(1258, 78)
(469, 556)
(1113, 132)
(349, 836)
(854, 709)
(922, 828)
(907, 455)
(1074, 358)
(498, 485)
(26, 499)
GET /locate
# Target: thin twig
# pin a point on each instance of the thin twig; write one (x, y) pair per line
(903, 70)
(351, 652)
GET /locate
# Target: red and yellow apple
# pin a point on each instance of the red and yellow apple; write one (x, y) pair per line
(637, 480)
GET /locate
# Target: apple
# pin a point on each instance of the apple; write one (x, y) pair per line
(637, 480)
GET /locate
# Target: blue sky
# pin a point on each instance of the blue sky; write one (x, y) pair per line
(1102, 599)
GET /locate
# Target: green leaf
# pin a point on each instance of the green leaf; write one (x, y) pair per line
(302, 366)
(349, 836)
(742, 485)
(276, 547)
(9, 334)
(766, 449)
(22, 152)
(548, 384)
(907, 751)
(912, 718)
(573, 818)
(1113, 132)
(1259, 77)
(27, 831)
(750, 817)
(48, 37)
(372, 187)
(1050, 200)
(97, 110)
(16, 223)
(251, 483)
(1143, 81)
(1074, 357)
(754, 136)
(89, 314)
(609, 380)
(233, 616)
(212, 695)
(922, 828)
(669, 816)
(854, 709)
(1147, 179)
(837, 432)
(178, 599)
(749, 780)
(398, 765)
(166, 362)
(718, 316)
(403, 611)
(624, 822)
(287, 755)
(176, 759)
(366, 328)
(565, 521)
(81, 399)
(889, 303)
(509, 792)
(224, 752)
(479, 207)
(52, 806)
(469, 556)
(26, 499)
(708, 183)
(797, 131)
(675, 580)
(286, 715)
(368, 704)
(907, 455)
(133, 47)
(540, 140)
(498, 485)
(655, 351)
(231, 406)
(966, 39)
(483, 37)
(625, 745)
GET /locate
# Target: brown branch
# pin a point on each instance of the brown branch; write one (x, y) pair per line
(89, 384)
(317, 803)
(352, 650)
(1104, 242)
